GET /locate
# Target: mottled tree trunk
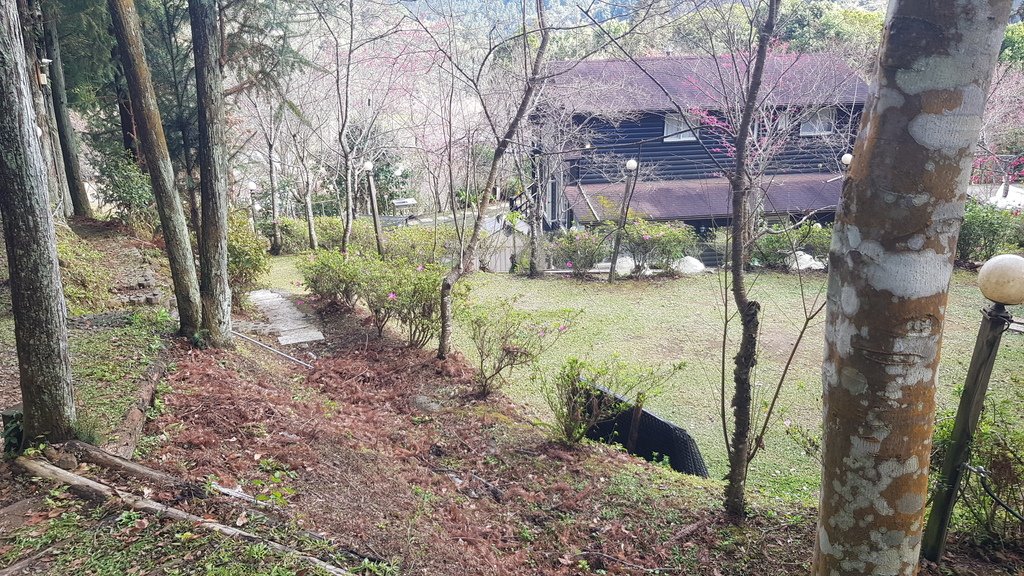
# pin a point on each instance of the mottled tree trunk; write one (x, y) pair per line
(890, 264)
(161, 174)
(67, 137)
(213, 172)
(37, 298)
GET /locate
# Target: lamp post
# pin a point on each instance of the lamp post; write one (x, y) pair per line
(253, 206)
(1001, 280)
(627, 196)
(368, 166)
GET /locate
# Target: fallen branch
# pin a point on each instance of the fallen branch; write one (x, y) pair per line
(93, 490)
(100, 457)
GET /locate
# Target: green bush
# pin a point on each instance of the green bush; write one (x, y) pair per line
(579, 250)
(986, 230)
(656, 245)
(329, 231)
(332, 277)
(248, 260)
(570, 394)
(417, 300)
(998, 447)
(777, 243)
(421, 244)
(506, 337)
(126, 190)
(294, 235)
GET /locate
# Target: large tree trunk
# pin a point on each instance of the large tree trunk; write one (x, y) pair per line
(37, 298)
(890, 264)
(67, 137)
(213, 172)
(30, 21)
(161, 174)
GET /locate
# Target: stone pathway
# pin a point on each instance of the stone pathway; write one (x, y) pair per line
(291, 325)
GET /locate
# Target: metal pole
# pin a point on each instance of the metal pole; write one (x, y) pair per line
(994, 322)
(626, 197)
(373, 211)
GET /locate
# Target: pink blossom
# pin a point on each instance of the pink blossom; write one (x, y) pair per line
(568, 264)
(562, 328)
(419, 268)
(647, 236)
(392, 296)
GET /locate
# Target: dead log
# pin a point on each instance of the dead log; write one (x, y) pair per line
(92, 490)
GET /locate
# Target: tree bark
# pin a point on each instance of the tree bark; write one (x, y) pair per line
(126, 118)
(213, 171)
(275, 209)
(307, 204)
(68, 138)
(746, 358)
(40, 313)
(154, 147)
(890, 265)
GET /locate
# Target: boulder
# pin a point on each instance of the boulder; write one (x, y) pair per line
(803, 261)
(688, 265)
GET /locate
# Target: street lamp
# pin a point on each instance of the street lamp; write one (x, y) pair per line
(1001, 280)
(627, 196)
(368, 166)
(253, 206)
(846, 159)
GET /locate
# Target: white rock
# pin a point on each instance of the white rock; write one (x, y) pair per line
(803, 261)
(688, 265)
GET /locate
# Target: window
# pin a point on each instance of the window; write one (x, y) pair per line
(677, 130)
(820, 123)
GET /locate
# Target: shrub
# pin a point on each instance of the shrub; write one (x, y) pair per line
(574, 404)
(506, 338)
(986, 230)
(126, 189)
(998, 447)
(418, 300)
(421, 244)
(656, 245)
(579, 250)
(294, 235)
(248, 261)
(329, 231)
(777, 244)
(377, 287)
(332, 277)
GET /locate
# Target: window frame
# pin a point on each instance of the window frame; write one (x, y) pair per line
(680, 135)
(816, 117)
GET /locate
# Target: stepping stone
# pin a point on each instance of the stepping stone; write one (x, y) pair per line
(291, 324)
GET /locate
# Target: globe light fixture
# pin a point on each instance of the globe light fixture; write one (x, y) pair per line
(846, 159)
(632, 164)
(1001, 279)
(368, 166)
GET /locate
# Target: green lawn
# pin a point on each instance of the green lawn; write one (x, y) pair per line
(666, 321)
(671, 320)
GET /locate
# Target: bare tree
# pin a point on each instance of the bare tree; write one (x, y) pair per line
(890, 266)
(37, 296)
(150, 130)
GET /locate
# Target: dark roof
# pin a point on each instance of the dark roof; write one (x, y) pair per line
(703, 199)
(700, 82)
